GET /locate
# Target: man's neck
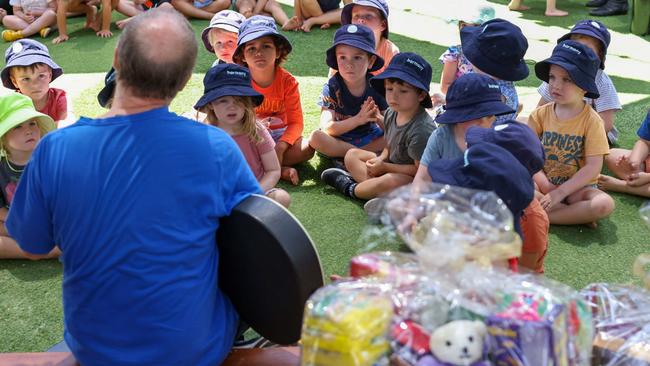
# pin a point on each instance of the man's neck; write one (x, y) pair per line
(125, 103)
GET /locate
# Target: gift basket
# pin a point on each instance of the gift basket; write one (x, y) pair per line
(449, 303)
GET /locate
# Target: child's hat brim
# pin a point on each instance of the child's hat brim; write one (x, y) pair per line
(579, 77)
(377, 83)
(232, 91)
(330, 54)
(473, 111)
(251, 36)
(23, 114)
(28, 58)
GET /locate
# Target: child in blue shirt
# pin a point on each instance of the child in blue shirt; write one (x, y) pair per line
(351, 109)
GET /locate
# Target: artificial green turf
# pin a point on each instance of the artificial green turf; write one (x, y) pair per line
(30, 295)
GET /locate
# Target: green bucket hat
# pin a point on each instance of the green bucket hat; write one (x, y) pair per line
(16, 108)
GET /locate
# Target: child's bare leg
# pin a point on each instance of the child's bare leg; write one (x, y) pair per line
(585, 206)
(187, 8)
(516, 5)
(355, 163)
(14, 23)
(9, 250)
(47, 19)
(552, 11)
(128, 8)
(297, 153)
(278, 14)
(280, 196)
(245, 7)
(217, 6)
(329, 145)
(324, 19)
(374, 187)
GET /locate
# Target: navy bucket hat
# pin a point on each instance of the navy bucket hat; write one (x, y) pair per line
(255, 27)
(578, 60)
(108, 90)
(227, 80)
(594, 29)
(473, 96)
(410, 68)
(497, 47)
(26, 52)
(228, 20)
(381, 5)
(488, 167)
(358, 36)
(515, 137)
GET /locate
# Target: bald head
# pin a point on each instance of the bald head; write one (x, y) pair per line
(156, 54)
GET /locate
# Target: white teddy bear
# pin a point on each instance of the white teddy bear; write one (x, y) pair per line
(458, 343)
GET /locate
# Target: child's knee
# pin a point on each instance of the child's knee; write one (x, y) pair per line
(603, 205)
(317, 139)
(353, 155)
(280, 196)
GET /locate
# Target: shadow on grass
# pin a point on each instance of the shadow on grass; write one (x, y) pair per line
(29, 271)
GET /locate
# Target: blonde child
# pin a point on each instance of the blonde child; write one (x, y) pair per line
(350, 108)
(229, 102)
(405, 83)
(262, 49)
(374, 15)
(249, 8)
(594, 35)
(631, 167)
(220, 37)
(551, 9)
(20, 131)
(573, 138)
(308, 13)
(29, 17)
(29, 69)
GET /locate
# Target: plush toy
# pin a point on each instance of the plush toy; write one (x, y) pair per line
(457, 343)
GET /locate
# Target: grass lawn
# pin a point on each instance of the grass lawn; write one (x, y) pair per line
(30, 294)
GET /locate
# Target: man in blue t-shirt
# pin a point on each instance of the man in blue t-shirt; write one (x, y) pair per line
(133, 200)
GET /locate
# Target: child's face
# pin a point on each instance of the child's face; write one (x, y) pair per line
(22, 138)
(590, 42)
(260, 54)
(402, 97)
(224, 43)
(563, 89)
(370, 17)
(32, 83)
(352, 62)
(229, 111)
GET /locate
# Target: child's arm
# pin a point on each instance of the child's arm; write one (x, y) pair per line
(3, 217)
(18, 11)
(608, 118)
(107, 12)
(593, 166)
(61, 9)
(406, 169)
(631, 162)
(448, 75)
(271, 166)
(543, 184)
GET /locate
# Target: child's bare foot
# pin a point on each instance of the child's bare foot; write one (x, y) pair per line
(290, 174)
(92, 19)
(516, 5)
(306, 25)
(608, 183)
(592, 225)
(325, 26)
(555, 13)
(291, 24)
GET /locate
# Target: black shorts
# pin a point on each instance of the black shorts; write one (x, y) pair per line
(328, 5)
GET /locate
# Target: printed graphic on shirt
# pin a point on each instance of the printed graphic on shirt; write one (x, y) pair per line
(563, 155)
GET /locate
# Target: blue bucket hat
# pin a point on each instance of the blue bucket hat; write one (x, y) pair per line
(108, 90)
(578, 60)
(497, 47)
(473, 96)
(488, 167)
(227, 80)
(410, 68)
(381, 5)
(255, 27)
(594, 29)
(358, 36)
(227, 20)
(27, 52)
(517, 138)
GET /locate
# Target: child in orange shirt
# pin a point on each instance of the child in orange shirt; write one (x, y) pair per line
(263, 49)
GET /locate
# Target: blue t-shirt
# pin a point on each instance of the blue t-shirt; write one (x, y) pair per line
(134, 204)
(644, 129)
(337, 97)
(441, 145)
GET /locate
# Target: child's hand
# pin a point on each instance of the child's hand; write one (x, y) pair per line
(638, 179)
(104, 34)
(551, 199)
(438, 99)
(368, 112)
(375, 167)
(60, 39)
(628, 166)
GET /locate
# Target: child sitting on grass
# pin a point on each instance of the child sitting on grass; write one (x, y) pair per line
(249, 8)
(229, 102)
(262, 49)
(29, 69)
(20, 131)
(308, 13)
(632, 168)
(220, 37)
(594, 35)
(351, 108)
(405, 84)
(200, 9)
(573, 137)
(29, 17)
(551, 9)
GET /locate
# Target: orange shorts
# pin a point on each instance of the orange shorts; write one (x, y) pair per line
(534, 225)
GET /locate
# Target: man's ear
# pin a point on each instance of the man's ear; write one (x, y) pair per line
(116, 65)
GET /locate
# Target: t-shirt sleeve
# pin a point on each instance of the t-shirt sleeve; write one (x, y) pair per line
(267, 144)
(595, 137)
(419, 139)
(608, 98)
(451, 55)
(543, 92)
(644, 130)
(30, 220)
(15, 3)
(327, 98)
(61, 106)
(432, 151)
(295, 123)
(534, 122)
